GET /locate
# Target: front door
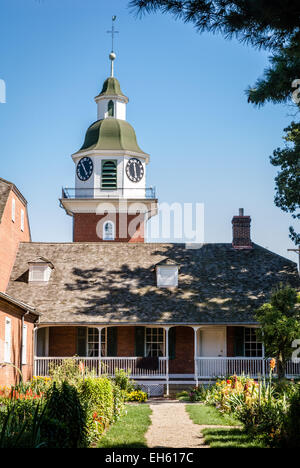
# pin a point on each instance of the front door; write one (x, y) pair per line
(212, 345)
(212, 342)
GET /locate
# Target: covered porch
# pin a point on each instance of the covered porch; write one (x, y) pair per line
(170, 353)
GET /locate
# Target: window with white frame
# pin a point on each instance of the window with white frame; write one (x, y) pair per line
(155, 342)
(167, 276)
(39, 273)
(22, 220)
(108, 230)
(24, 344)
(7, 340)
(93, 342)
(253, 347)
(13, 210)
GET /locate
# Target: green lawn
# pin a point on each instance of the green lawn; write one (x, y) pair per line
(202, 414)
(230, 438)
(130, 430)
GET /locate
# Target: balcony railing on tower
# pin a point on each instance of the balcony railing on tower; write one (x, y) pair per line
(120, 192)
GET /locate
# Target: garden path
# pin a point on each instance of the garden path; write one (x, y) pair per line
(172, 427)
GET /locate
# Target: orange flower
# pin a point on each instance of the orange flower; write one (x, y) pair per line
(81, 367)
(272, 364)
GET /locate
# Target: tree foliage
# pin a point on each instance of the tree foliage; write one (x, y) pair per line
(287, 181)
(262, 23)
(273, 25)
(280, 325)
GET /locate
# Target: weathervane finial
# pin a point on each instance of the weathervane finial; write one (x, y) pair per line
(112, 55)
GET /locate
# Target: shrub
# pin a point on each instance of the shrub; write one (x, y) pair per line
(20, 425)
(292, 436)
(137, 395)
(98, 395)
(65, 422)
(123, 381)
(198, 394)
(70, 370)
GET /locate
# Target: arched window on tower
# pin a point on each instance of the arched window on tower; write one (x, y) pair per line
(110, 109)
(108, 230)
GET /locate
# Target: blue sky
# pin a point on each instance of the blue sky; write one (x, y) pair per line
(187, 105)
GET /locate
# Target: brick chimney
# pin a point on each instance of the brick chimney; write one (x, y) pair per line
(241, 231)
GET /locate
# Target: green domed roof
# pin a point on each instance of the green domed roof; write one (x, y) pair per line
(110, 134)
(111, 87)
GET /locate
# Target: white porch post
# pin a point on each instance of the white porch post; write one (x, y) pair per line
(196, 354)
(167, 360)
(100, 348)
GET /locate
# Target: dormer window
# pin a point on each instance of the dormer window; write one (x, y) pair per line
(167, 275)
(111, 109)
(40, 270)
(108, 231)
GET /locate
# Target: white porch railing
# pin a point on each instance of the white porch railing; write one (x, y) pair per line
(206, 367)
(104, 365)
(213, 367)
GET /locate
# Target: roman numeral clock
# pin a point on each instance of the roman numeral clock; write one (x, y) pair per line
(134, 170)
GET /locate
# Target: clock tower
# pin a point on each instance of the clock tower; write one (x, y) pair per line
(110, 200)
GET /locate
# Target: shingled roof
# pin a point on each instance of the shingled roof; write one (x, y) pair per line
(101, 283)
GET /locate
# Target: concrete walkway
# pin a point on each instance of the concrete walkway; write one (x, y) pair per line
(171, 426)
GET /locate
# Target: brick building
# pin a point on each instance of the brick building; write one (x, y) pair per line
(164, 312)
(14, 228)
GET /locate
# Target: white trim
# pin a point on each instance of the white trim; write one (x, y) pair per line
(7, 340)
(24, 344)
(110, 153)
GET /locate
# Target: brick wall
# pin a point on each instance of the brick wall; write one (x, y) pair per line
(184, 352)
(10, 237)
(62, 341)
(8, 374)
(126, 338)
(88, 227)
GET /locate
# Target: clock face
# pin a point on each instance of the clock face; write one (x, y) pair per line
(134, 170)
(84, 168)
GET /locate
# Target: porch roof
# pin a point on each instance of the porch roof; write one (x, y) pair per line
(116, 282)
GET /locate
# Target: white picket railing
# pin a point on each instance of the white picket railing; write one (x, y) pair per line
(222, 366)
(103, 366)
(214, 367)
(206, 367)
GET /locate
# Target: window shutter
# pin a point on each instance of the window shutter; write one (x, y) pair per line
(7, 344)
(81, 342)
(13, 210)
(109, 175)
(24, 344)
(140, 341)
(22, 220)
(239, 341)
(172, 343)
(112, 337)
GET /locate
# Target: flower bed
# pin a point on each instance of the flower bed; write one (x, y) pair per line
(71, 408)
(268, 409)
